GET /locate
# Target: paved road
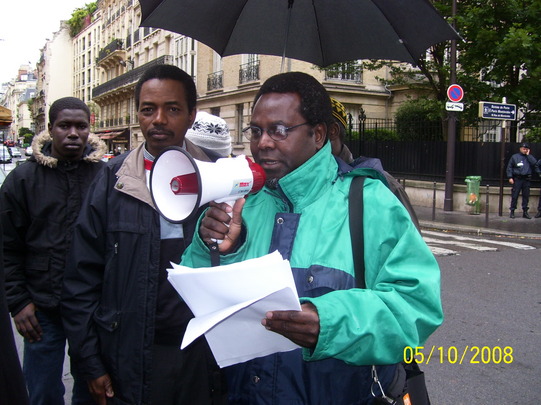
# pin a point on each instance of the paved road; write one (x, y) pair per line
(492, 311)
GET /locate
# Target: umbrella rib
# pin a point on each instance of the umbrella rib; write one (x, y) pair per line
(289, 10)
(323, 62)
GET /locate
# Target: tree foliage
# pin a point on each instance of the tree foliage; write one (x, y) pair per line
(77, 20)
(418, 120)
(24, 131)
(500, 56)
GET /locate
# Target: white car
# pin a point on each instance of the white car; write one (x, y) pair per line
(28, 151)
(15, 152)
(5, 156)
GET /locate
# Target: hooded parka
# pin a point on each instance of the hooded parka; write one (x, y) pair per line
(40, 201)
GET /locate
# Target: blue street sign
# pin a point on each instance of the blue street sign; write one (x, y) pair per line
(497, 111)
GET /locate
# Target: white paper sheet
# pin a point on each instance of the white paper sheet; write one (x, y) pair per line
(230, 301)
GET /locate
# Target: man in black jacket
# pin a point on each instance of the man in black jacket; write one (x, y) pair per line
(519, 172)
(337, 135)
(39, 202)
(125, 322)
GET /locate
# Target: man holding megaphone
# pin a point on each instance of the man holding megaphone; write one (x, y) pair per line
(303, 213)
(124, 320)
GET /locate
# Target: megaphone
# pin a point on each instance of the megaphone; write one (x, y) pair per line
(180, 184)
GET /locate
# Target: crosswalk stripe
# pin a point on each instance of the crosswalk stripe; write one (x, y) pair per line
(513, 245)
(439, 251)
(472, 246)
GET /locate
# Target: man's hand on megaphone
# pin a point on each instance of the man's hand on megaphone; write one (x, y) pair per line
(217, 224)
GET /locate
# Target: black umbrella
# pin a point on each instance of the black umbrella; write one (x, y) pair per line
(322, 32)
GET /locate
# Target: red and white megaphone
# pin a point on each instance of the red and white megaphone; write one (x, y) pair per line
(180, 184)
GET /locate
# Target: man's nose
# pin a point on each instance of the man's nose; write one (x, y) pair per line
(160, 117)
(73, 131)
(265, 141)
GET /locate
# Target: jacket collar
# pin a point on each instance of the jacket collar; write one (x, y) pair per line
(41, 149)
(308, 182)
(131, 176)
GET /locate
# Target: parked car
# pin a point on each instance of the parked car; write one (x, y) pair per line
(2, 176)
(107, 157)
(5, 155)
(28, 151)
(15, 152)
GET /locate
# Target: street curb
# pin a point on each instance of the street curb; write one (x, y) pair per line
(477, 230)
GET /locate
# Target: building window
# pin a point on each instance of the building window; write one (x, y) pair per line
(348, 71)
(185, 51)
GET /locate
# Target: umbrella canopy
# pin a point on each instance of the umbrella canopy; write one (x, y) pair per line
(322, 32)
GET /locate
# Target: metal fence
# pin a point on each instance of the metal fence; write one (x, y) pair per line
(427, 159)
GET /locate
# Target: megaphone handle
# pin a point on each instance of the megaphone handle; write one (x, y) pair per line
(230, 203)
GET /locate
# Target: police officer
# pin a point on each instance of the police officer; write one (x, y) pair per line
(519, 173)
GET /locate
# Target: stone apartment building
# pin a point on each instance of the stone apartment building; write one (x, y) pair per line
(54, 75)
(16, 99)
(102, 63)
(118, 51)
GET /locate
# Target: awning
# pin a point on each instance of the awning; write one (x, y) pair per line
(5, 116)
(110, 135)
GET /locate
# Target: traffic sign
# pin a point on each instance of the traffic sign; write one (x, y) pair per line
(455, 93)
(454, 106)
(497, 111)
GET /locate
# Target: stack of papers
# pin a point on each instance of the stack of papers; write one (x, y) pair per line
(230, 301)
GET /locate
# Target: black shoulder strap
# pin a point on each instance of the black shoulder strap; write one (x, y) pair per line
(356, 209)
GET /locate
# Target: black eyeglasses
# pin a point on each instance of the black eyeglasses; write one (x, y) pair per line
(277, 132)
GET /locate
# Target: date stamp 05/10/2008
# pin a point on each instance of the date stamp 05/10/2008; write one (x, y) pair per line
(455, 355)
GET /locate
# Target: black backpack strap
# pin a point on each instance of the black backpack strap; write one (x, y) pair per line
(356, 208)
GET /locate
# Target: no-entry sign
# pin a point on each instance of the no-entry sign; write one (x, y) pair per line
(455, 93)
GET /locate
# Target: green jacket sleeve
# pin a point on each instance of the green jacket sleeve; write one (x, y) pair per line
(401, 305)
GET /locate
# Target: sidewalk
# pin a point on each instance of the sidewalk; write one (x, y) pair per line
(466, 222)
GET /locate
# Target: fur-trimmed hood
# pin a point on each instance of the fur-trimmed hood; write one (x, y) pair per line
(41, 145)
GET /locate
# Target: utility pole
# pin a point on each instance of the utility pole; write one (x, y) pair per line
(451, 128)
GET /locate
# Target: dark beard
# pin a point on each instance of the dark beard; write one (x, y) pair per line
(272, 183)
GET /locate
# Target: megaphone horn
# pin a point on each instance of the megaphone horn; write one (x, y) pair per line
(180, 184)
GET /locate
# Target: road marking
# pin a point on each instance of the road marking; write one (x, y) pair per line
(439, 251)
(472, 246)
(513, 245)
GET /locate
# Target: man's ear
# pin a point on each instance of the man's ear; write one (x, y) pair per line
(193, 114)
(333, 132)
(320, 135)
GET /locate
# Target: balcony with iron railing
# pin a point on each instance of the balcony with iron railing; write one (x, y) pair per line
(215, 81)
(249, 72)
(130, 77)
(112, 49)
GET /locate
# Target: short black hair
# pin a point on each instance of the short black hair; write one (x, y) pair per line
(315, 102)
(172, 72)
(67, 103)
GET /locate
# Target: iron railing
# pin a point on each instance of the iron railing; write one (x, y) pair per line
(249, 72)
(114, 45)
(130, 76)
(352, 72)
(215, 81)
